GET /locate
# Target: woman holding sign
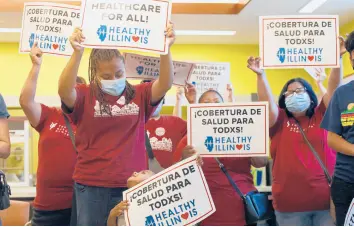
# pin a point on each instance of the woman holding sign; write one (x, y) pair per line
(301, 195)
(110, 115)
(229, 206)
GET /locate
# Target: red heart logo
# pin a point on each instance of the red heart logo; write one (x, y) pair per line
(55, 46)
(185, 216)
(239, 146)
(136, 38)
(310, 58)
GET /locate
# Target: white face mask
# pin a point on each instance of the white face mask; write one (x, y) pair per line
(113, 87)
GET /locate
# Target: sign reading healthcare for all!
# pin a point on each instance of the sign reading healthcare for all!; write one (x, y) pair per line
(49, 24)
(299, 41)
(177, 196)
(144, 67)
(126, 24)
(229, 130)
(207, 76)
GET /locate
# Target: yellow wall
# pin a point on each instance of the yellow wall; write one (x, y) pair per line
(14, 68)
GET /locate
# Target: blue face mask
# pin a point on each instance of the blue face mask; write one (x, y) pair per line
(158, 110)
(113, 87)
(298, 103)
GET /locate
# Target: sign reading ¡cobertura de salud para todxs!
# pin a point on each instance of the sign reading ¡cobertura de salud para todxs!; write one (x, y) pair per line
(229, 130)
(299, 41)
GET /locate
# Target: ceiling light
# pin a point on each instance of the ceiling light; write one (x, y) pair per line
(197, 32)
(312, 6)
(10, 30)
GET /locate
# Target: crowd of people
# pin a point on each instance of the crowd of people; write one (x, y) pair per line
(95, 146)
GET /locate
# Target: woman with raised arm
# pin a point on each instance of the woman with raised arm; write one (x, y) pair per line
(301, 195)
(229, 205)
(110, 115)
(56, 154)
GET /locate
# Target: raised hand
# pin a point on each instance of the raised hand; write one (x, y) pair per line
(191, 93)
(254, 65)
(230, 93)
(36, 54)
(320, 75)
(170, 34)
(342, 48)
(76, 39)
(179, 93)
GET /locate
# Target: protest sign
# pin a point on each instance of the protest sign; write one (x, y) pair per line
(126, 24)
(349, 219)
(169, 198)
(144, 67)
(317, 73)
(229, 130)
(213, 75)
(299, 41)
(49, 24)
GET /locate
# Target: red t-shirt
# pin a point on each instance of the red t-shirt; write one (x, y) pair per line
(110, 148)
(229, 206)
(165, 134)
(299, 183)
(56, 162)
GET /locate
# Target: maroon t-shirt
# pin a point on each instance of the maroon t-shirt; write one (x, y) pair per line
(56, 162)
(110, 148)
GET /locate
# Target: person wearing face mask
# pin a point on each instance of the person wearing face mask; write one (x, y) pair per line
(56, 154)
(301, 195)
(164, 133)
(229, 205)
(110, 115)
(338, 121)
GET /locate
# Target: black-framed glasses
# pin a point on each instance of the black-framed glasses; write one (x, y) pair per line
(298, 91)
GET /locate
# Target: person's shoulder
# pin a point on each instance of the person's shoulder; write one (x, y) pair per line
(175, 119)
(345, 88)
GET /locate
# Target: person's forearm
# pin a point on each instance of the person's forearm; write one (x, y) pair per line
(339, 144)
(28, 92)
(166, 72)
(4, 149)
(335, 79)
(177, 110)
(322, 89)
(67, 80)
(112, 221)
(265, 94)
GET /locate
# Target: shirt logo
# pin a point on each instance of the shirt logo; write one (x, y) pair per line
(347, 117)
(117, 110)
(52, 125)
(165, 144)
(160, 131)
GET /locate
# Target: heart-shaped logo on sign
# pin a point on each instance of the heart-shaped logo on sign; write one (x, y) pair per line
(55, 46)
(136, 38)
(239, 146)
(185, 216)
(310, 58)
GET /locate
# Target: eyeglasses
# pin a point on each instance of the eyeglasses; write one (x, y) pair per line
(298, 91)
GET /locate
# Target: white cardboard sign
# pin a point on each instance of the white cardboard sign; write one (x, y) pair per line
(49, 24)
(169, 198)
(349, 219)
(229, 130)
(212, 75)
(126, 24)
(144, 67)
(299, 41)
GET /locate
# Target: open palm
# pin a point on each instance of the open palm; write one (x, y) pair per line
(254, 64)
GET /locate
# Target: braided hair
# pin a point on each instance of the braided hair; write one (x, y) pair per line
(97, 56)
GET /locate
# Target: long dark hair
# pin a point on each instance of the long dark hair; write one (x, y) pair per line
(308, 88)
(210, 91)
(98, 55)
